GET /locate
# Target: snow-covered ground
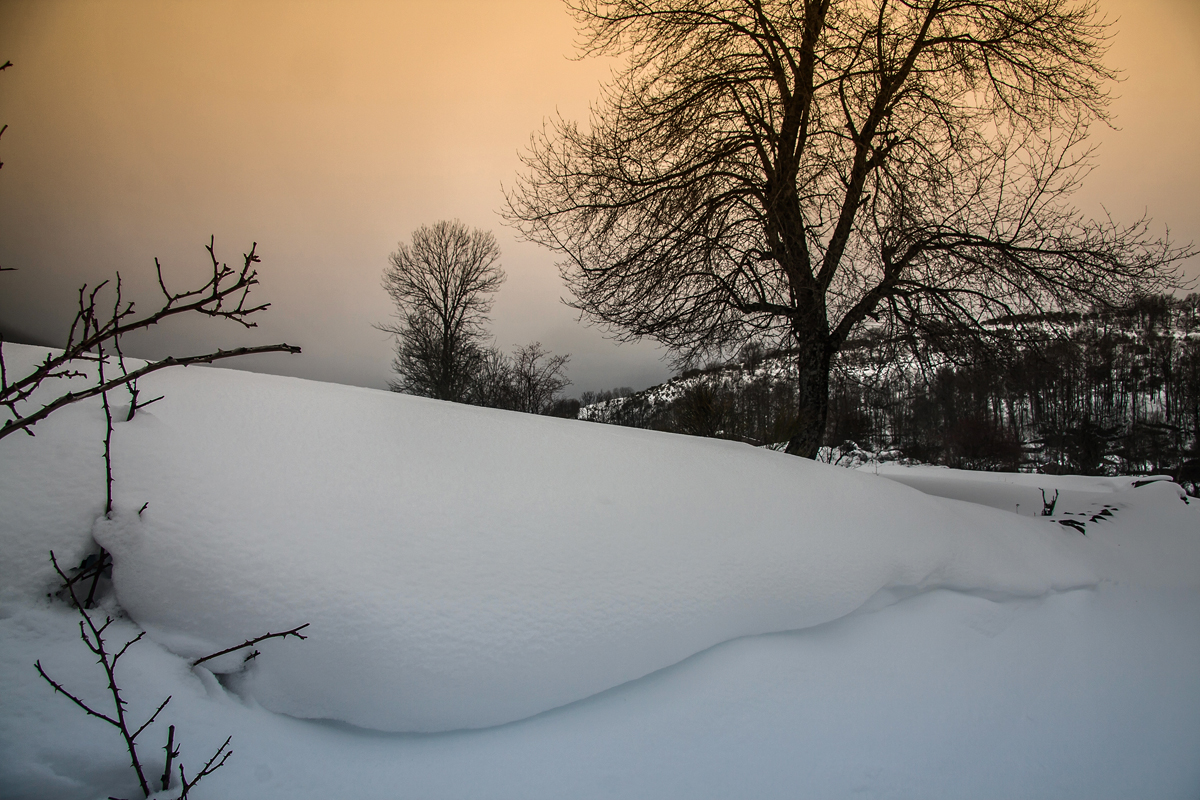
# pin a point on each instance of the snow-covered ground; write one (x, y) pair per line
(509, 606)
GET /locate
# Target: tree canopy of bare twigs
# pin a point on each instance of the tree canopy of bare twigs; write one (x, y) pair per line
(538, 378)
(531, 380)
(793, 170)
(442, 284)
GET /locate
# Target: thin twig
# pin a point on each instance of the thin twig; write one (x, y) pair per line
(89, 570)
(208, 768)
(59, 688)
(22, 423)
(108, 432)
(153, 716)
(104, 562)
(251, 642)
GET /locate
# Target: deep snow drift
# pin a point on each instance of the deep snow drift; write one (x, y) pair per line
(465, 567)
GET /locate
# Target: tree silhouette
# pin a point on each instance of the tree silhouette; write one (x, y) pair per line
(797, 171)
(442, 284)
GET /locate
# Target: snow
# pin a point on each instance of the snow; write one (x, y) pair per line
(1020, 492)
(1136, 544)
(621, 613)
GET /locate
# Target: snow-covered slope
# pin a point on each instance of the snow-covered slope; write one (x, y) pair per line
(465, 567)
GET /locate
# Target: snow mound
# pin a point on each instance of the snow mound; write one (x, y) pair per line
(1022, 493)
(464, 567)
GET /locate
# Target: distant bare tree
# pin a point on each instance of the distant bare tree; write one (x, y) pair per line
(538, 378)
(531, 380)
(492, 383)
(442, 285)
(792, 170)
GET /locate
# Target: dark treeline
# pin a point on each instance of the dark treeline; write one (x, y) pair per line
(1113, 392)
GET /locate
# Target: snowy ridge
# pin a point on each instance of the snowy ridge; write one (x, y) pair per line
(465, 567)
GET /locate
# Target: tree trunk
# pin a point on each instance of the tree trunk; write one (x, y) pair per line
(813, 361)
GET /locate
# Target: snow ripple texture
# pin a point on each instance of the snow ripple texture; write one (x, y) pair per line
(464, 567)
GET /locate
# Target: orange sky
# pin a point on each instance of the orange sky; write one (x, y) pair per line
(327, 131)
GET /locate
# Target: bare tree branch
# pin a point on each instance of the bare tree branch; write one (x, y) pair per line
(11, 426)
(93, 636)
(251, 642)
(96, 337)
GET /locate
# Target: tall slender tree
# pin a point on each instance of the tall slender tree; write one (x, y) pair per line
(442, 284)
(797, 169)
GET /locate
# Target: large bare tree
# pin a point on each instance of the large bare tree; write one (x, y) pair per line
(442, 284)
(795, 170)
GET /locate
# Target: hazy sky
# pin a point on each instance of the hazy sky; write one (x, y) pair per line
(328, 131)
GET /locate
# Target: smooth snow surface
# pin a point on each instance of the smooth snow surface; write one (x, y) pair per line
(465, 567)
(1025, 494)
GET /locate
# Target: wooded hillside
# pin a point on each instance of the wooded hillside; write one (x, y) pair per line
(1103, 392)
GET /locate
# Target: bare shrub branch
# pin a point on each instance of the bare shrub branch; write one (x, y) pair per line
(209, 768)
(93, 636)
(95, 336)
(251, 642)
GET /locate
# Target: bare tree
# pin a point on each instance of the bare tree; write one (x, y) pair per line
(531, 380)
(538, 378)
(796, 170)
(492, 384)
(442, 284)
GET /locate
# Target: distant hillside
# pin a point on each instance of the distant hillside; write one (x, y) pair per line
(1096, 393)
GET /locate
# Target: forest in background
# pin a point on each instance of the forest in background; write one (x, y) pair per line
(1105, 392)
